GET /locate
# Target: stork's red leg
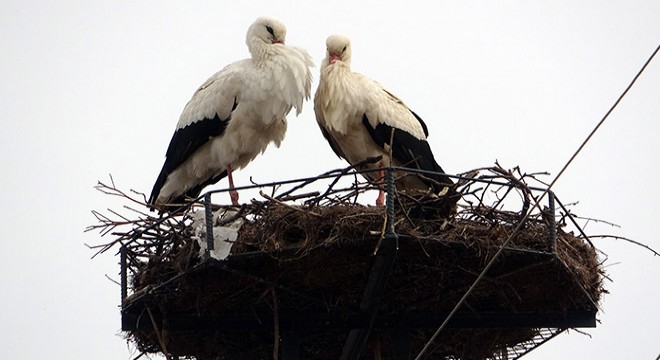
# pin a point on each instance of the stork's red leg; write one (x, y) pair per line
(380, 200)
(233, 194)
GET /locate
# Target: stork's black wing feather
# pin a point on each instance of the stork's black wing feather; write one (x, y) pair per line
(184, 143)
(421, 122)
(410, 151)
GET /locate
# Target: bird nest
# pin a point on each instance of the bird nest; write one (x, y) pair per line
(300, 262)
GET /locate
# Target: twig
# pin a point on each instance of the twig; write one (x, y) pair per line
(159, 336)
(581, 332)
(588, 219)
(113, 280)
(239, 214)
(298, 197)
(287, 205)
(655, 253)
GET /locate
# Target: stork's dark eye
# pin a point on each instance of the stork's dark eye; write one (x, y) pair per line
(270, 30)
(344, 49)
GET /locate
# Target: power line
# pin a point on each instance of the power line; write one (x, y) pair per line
(536, 205)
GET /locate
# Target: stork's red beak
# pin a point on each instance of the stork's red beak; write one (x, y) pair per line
(333, 58)
(278, 42)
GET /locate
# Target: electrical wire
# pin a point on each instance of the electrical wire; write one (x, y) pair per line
(536, 205)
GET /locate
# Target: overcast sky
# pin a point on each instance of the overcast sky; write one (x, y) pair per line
(90, 88)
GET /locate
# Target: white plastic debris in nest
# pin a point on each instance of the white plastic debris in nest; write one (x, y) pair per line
(223, 236)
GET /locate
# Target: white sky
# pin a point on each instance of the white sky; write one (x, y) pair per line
(96, 87)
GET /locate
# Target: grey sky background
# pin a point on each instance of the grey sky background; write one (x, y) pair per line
(92, 88)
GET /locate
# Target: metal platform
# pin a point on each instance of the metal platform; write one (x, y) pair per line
(304, 310)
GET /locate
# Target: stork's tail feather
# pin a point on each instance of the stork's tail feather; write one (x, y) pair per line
(442, 204)
(435, 207)
(155, 191)
(177, 202)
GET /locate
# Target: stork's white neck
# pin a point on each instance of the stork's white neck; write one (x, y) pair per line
(261, 51)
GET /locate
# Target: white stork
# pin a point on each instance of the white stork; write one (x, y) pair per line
(360, 120)
(234, 115)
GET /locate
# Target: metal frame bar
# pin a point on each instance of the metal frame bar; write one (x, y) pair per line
(208, 218)
(380, 270)
(552, 221)
(542, 341)
(123, 271)
(296, 322)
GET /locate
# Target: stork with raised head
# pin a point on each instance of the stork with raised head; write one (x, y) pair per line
(234, 115)
(361, 120)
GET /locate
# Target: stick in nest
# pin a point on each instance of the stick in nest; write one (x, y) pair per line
(287, 205)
